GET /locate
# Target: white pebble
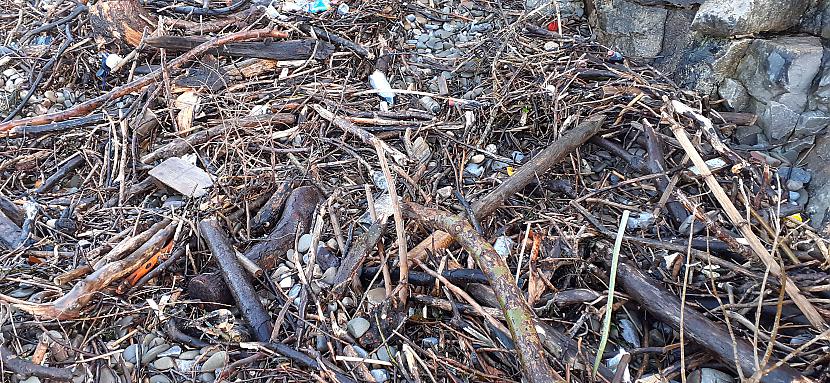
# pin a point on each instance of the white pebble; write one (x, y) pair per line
(304, 243)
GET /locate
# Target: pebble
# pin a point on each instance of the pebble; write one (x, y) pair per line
(31, 379)
(321, 343)
(207, 377)
(551, 46)
(376, 296)
(215, 361)
(160, 379)
(10, 72)
(477, 159)
(793, 185)
(304, 243)
(385, 353)
(797, 174)
(357, 327)
(503, 246)
(329, 275)
(106, 375)
(286, 282)
(164, 363)
(491, 148)
(51, 95)
(131, 353)
(185, 365)
(294, 292)
(153, 353)
(325, 259)
(709, 375)
(347, 302)
(794, 196)
(474, 170)
(445, 192)
(380, 180)
(332, 244)
(429, 342)
(172, 351)
(280, 272)
(360, 351)
(380, 375)
(411, 18)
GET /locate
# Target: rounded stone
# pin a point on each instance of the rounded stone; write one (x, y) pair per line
(477, 159)
(188, 355)
(131, 353)
(304, 243)
(160, 379)
(207, 377)
(164, 363)
(153, 353)
(794, 185)
(215, 361)
(357, 327)
(376, 296)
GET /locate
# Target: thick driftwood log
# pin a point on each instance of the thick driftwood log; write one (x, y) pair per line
(537, 166)
(273, 50)
(666, 307)
(517, 312)
(237, 279)
(124, 20)
(297, 214)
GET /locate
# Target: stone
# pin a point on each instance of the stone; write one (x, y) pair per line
(781, 69)
(321, 343)
(793, 185)
(747, 135)
(429, 342)
(357, 327)
(477, 159)
(725, 18)
(734, 93)
(325, 258)
(811, 123)
(797, 174)
(185, 365)
(567, 8)
(206, 377)
(503, 246)
(709, 375)
(153, 353)
(329, 275)
(793, 197)
(130, 353)
(216, 361)
(634, 30)
(474, 170)
(376, 296)
(107, 375)
(444, 192)
(286, 283)
(164, 363)
(10, 72)
(304, 243)
(379, 179)
(380, 375)
(385, 353)
(793, 149)
(172, 351)
(778, 121)
(31, 379)
(160, 379)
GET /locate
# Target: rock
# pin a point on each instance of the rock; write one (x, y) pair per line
(793, 149)
(567, 8)
(380, 375)
(811, 123)
(185, 365)
(778, 121)
(736, 96)
(477, 159)
(216, 361)
(709, 375)
(379, 178)
(10, 72)
(793, 185)
(304, 243)
(286, 283)
(321, 343)
(172, 351)
(385, 353)
(429, 342)
(629, 332)
(107, 375)
(294, 292)
(357, 327)
(633, 29)
(160, 379)
(474, 170)
(131, 353)
(641, 221)
(329, 275)
(360, 351)
(164, 363)
(781, 69)
(793, 197)
(551, 46)
(376, 296)
(153, 353)
(748, 135)
(206, 377)
(797, 174)
(444, 192)
(724, 18)
(31, 379)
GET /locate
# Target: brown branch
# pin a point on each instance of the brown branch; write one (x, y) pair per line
(516, 311)
(26, 368)
(537, 165)
(87, 107)
(69, 306)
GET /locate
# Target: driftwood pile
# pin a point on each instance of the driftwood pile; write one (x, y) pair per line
(226, 197)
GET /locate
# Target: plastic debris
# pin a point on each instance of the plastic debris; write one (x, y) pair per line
(379, 82)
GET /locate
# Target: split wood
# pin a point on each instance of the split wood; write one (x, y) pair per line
(742, 224)
(537, 166)
(516, 311)
(10, 127)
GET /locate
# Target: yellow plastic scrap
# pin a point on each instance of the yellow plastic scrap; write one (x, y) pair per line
(510, 170)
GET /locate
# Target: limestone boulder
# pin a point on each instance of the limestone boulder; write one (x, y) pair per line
(725, 18)
(633, 29)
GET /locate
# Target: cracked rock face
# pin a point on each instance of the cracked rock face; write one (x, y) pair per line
(725, 18)
(634, 29)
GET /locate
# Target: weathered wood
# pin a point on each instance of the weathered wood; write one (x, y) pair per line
(534, 168)
(9, 232)
(12, 211)
(123, 20)
(666, 307)
(351, 263)
(61, 172)
(26, 368)
(269, 213)
(517, 312)
(274, 50)
(237, 279)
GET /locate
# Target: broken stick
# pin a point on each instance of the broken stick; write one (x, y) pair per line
(537, 165)
(742, 224)
(516, 311)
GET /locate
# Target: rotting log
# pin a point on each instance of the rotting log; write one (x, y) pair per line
(517, 312)
(666, 307)
(237, 279)
(123, 20)
(537, 166)
(272, 50)
(296, 216)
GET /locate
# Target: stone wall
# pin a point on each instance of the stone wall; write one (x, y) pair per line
(768, 57)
